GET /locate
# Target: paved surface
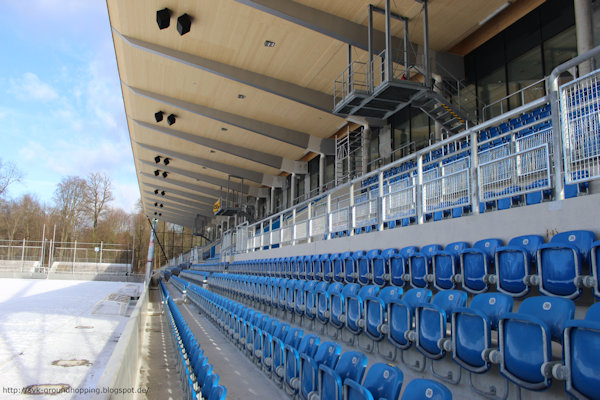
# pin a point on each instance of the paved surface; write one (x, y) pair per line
(237, 373)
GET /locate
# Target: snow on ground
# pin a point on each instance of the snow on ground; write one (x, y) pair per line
(50, 321)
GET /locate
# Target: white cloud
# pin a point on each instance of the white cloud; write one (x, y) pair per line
(30, 87)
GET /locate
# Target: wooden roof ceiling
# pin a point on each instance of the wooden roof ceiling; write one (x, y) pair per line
(285, 110)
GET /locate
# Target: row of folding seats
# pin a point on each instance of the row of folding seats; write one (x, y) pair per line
(302, 364)
(523, 348)
(563, 267)
(200, 381)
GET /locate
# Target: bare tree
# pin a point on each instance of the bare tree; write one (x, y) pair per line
(9, 173)
(69, 199)
(98, 193)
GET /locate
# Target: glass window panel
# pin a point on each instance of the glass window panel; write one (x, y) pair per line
(420, 129)
(491, 89)
(523, 72)
(560, 48)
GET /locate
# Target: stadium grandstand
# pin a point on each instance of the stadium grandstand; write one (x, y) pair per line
(399, 198)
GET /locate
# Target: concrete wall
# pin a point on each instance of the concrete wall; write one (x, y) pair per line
(544, 219)
(122, 368)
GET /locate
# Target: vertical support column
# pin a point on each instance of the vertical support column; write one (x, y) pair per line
(380, 205)
(389, 66)
(350, 84)
(74, 255)
(272, 202)
(366, 144)
(293, 189)
(262, 235)
(102, 249)
(437, 126)
(406, 58)
(294, 227)
(23, 256)
(474, 176)
(328, 216)
(150, 258)
(370, 49)
(420, 216)
(426, 53)
(309, 222)
(281, 220)
(322, 160)
(585, 32)
(351, 210)
(559, 187)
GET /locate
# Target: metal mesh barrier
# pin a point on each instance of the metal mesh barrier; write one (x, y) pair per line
(400, 203)
(580, 114)
(301, 231)
(516, 174)
(340, 220)
(447, 192)
(365, 213)
(318, 225)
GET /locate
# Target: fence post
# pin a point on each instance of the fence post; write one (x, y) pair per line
(474, 175)
(101, 248)
(420, 204)
(74, 253)
(23, 256)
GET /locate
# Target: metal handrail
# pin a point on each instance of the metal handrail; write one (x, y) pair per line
(520, 92)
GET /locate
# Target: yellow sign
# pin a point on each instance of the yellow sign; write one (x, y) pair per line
(217, 206)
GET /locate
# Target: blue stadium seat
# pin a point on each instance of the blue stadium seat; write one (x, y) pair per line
(365, 266)
(209, 384)
(310, 299)
(382, 382)
(401, 315)
(302, 289)
(561, 261)
(581, 351)
(308, 346)
(311, 268)
(509, 201)
(352, 365)
(354, 319)
(292, 339)
(431, 319)
(419, 265)
(399, 270)
(268, 340)
(327, 354)
(323, 268)
(525, 339)
(219, 392)
(476, 265)
(516, 263)
(324, 301)
(376, 309)
(331, 268)
(338, 304)
(339, 261)
(446, 265)
(595, 260)
(381, 267)
(420, 389)
(350, 266)
(472, 329)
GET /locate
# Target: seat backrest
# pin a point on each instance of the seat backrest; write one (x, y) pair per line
(293, 337)
(352, 364)
(350, 289)
(593, 313)
(309, 344)
(408, 251)
(414, 297)
(368, 291)
(335, 288)
(387, 253)
(448, 300)
(389, 293)
(488, 246)
(419, 389)
(580, 239)
(218, 392)
(492, 305)
(384, 381)
(553, 311)
(210, 382)
(328, 354)
(373, 253)
(281, 330)
(528, 242)
(456, 247)
(430, 249)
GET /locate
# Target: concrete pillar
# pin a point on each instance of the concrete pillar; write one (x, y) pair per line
(293, 189)
(150, 259)
(437, 87)
(272, 201)
(366, 144)
(285, 196)
(321, 172)
(307, 186)
(585, 33)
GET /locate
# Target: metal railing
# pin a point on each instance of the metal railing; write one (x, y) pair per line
(525, 95)
(514, 157)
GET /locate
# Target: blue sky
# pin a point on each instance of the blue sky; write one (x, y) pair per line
(61, 110)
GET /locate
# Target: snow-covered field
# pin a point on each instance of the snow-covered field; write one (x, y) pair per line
(59, 333)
